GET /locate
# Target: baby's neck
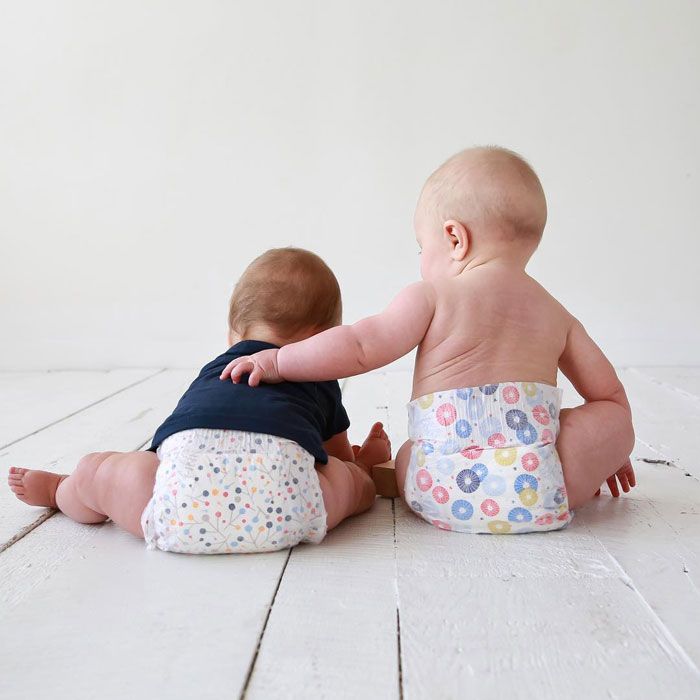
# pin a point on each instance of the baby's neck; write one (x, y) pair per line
(511, 261)
(266, 334)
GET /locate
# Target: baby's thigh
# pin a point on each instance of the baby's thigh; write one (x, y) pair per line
(595, 440)
(338, 490)
(125, 485)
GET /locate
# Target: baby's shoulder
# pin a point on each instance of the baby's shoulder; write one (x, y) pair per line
(552, 314)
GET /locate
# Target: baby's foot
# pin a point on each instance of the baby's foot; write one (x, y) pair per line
(375, 449)
(34, 487)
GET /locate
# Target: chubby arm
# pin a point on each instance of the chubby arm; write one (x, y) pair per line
(373, 342)
(591, 373)
(345, 351)
(595, 379)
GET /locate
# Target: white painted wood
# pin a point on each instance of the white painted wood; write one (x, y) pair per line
(545, 616)
(30, 401)
(665, 419)
(379, 396)
(685, 380)
(654, 534)
(654, 531)
(123, 422)
(332, 630)
(87, 612)
(609, 607)
(365, 399)
(399, 388)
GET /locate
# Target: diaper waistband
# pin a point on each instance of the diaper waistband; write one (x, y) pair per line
(509, 414)
(223, 442)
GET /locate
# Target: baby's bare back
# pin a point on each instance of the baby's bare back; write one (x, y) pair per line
(491, 324)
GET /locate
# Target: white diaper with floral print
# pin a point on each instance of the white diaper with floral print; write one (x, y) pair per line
(484, 460)
(226, 491)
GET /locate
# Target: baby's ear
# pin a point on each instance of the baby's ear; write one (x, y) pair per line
(458, 236)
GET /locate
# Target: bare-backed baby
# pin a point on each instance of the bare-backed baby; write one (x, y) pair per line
(234, 469)
(490, 449)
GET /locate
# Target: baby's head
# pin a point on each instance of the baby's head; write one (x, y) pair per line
(284, 295)
(483, 203)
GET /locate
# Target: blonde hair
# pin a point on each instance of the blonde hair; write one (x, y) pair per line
(287, 289)
(488, 184)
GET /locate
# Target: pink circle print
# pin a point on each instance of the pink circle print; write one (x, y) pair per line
(530, 461)
(472, 452)
(541, 414)
(497, 440)
(440, 494)
(547, 436)
(424, 480)
(490, 507)
(510, 394)
(446, 414)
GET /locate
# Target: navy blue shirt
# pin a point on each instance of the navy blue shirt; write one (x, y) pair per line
(307, 412)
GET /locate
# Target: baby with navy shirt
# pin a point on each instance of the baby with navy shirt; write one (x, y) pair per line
(236, 469)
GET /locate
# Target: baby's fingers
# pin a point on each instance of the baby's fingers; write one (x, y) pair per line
(256, 375)
(624, 482)
(612, 485)
(244, 366)
(229, 367)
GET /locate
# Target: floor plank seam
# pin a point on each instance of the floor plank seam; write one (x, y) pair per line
(627, 580)
(665, 461)
(80, 410)
(27, 529)
(49, 513)
(143, 444)
(398, 611)
(251, 668)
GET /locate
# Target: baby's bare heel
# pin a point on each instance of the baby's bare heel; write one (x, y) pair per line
(384, 477)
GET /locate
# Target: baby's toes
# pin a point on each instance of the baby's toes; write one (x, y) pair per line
(376, 430)
(17, 487)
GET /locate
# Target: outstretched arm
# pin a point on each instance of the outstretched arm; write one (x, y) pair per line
(345, 351)
(368, 344)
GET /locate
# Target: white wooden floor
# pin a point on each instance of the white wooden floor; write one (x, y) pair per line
(387, 607)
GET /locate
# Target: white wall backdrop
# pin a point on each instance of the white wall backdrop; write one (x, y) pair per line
(150, 148)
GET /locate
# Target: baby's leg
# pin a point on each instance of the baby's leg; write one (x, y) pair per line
(115, 485)
(347, 490)
(595, 440)
(347, 487)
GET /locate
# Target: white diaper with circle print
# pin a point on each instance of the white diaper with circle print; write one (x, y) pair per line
(484, 460)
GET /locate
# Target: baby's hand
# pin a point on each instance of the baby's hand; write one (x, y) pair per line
(625, 475)
(262, 367)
